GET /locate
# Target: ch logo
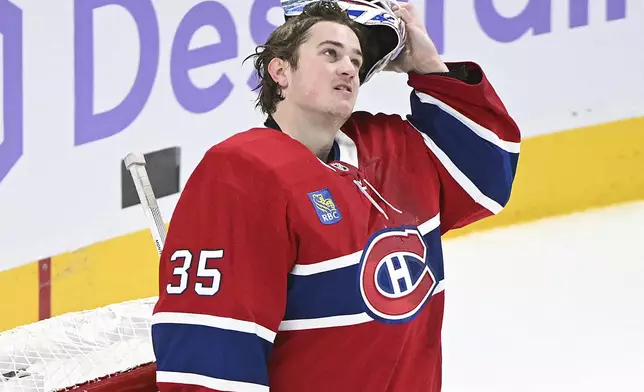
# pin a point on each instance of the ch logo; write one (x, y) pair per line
(11, 126)
(395, 279)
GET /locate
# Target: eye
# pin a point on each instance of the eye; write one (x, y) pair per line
(357, 63)
(332, 52)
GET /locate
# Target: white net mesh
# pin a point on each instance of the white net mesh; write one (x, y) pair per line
(72, 349)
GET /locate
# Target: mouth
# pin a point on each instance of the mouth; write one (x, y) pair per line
(343, 87)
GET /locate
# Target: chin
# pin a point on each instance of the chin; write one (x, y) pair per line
(342, 110)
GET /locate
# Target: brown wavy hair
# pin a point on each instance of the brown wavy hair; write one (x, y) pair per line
(284, 43)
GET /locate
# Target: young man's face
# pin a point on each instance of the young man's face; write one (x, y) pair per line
(327, 76)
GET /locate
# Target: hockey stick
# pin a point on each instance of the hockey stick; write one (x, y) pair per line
(135, 163)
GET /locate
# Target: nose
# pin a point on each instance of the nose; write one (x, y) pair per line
(346, 67)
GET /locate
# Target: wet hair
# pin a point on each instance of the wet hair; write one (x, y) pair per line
(284, 43)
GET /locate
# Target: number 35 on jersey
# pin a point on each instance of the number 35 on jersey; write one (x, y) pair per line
(209, 278)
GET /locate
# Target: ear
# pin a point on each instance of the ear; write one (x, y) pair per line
(277, 69)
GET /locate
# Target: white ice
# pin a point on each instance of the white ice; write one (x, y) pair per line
(556, 305)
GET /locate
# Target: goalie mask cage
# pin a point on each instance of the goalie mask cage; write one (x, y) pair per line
(105, 349)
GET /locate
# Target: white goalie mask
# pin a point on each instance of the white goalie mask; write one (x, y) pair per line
(386, 32)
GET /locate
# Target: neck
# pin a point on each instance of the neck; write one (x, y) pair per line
(315, 131)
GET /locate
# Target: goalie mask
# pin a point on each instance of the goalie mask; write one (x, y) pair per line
(384, 32)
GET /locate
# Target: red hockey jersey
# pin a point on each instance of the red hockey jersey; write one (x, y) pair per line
(281, 271)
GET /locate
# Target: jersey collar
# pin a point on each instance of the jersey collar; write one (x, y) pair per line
(334, 154)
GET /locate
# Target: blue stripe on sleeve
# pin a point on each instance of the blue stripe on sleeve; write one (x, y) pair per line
(488, 166)
(211, 352)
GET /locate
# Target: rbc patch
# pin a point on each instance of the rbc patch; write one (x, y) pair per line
(325, 206)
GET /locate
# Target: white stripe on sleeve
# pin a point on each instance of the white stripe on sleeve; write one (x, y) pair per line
(209, 382)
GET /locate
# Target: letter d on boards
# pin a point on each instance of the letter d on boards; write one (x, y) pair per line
(90, 126)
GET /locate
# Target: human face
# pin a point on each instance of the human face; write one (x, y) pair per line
(327, 79)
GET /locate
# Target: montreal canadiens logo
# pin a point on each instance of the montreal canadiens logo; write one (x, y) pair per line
(395, 280)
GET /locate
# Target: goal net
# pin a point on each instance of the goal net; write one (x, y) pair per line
(105, 349)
